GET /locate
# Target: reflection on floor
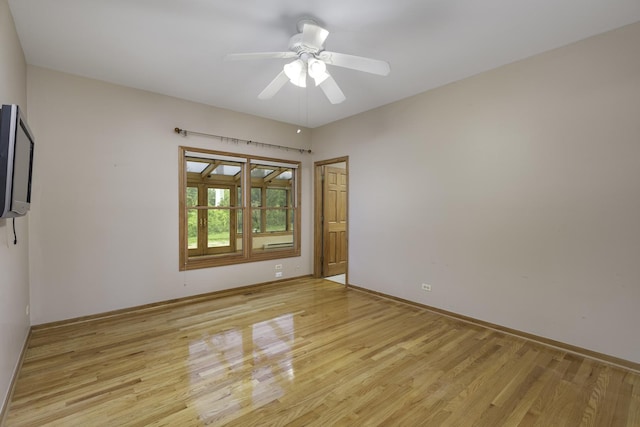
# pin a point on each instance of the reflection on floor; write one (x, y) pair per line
(340, 278)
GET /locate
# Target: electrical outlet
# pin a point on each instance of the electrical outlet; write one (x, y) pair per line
(278, 266)
(426, 287)
(279, 274)
(27, 310)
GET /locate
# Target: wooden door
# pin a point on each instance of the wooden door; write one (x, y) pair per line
(334, 222)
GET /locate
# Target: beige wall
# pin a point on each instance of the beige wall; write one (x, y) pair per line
(515, 194)
(14, 262)
(105, 210)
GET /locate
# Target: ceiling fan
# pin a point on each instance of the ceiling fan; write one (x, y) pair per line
(307, 47)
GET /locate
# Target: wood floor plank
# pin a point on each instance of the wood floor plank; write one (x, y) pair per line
(308, 352)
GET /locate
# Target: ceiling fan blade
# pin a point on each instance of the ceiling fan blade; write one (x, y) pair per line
(273, 87)
(259, 55)
(368, 65)
(332, 90)
(313, 35)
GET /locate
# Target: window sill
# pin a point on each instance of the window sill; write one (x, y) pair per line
(208, 261)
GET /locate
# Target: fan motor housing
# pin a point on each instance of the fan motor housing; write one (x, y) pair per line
(296, 45)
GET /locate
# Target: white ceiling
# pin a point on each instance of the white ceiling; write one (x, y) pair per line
(176, 47)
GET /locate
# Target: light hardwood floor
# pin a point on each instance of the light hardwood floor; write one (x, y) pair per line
(308, 353)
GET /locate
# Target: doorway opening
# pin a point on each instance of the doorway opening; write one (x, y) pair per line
(331, 247)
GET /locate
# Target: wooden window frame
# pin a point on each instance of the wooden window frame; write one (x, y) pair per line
(247, 253)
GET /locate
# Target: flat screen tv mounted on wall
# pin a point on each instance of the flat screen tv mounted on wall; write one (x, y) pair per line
(16, 163)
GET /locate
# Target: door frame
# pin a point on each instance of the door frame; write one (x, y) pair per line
(317, 214)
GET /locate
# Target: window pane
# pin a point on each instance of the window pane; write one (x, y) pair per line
(227, 169)
(192, 196)
(197, 167)
(256, 215)
(192, 229)
(256, 223)
(287, 174)
(256, 197)
(276, 197)
(219, 232)
(260, 172)
(276, 220)
(218, 196)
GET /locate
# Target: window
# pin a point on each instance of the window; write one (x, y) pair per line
(219, 190)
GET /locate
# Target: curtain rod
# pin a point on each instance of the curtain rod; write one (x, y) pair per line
(185, 132)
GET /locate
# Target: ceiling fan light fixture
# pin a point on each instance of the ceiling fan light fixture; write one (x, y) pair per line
(296, 72)
(318, 70)
(317, 67)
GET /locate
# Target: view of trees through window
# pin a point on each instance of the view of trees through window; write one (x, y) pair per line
(218, 220)
(276, 218)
